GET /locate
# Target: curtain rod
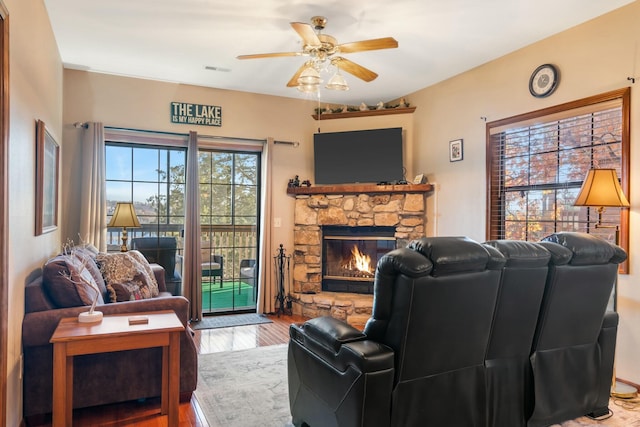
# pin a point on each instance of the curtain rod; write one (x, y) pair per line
(146, 131)
(294, 144)
(224, 138)
(232, 138)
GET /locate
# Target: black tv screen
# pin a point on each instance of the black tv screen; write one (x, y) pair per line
(364, 156)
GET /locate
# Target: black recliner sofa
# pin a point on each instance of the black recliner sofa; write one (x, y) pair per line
(443, 339)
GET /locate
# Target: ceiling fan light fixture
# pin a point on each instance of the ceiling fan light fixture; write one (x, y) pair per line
(322, 50)
(309, 76)
(308, 88)
(337, 82)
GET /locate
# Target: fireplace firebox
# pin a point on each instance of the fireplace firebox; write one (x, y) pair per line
(350, 256)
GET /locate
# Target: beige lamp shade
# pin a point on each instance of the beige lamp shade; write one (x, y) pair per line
(337, 82)
(124, 216)
(601, 188)
(309, 76)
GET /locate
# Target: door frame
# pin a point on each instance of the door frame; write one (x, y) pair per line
(4, 203)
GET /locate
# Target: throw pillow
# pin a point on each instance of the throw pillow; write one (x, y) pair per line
(128, 276)
(119, 292)
(86, 254)
(69, 283)
(147, 268)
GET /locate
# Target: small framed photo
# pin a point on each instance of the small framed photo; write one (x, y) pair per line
(455, 150)
(419, 179)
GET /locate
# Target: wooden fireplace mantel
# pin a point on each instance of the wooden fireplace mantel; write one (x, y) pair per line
(360, 188)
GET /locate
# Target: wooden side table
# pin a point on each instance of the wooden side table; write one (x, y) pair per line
(114, 333)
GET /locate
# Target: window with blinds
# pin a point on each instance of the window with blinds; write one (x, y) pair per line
(538, 161)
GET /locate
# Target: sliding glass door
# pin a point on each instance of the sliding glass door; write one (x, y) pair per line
(229, 218)
(153, 178)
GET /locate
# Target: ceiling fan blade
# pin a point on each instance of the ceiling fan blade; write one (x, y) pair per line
(309, 36)
(373, 44)
(294, 80)
(269, 55)
(352, 68)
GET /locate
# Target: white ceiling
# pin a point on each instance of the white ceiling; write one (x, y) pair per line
(174, 40)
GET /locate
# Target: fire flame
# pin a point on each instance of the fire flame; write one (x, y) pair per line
(362, 261)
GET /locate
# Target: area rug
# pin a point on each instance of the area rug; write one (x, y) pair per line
(244, 388)
(249, 388)
(212, 322)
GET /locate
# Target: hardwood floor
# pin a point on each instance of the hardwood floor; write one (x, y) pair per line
(146, 413)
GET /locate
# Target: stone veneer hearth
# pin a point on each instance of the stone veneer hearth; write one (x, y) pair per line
(399, 206)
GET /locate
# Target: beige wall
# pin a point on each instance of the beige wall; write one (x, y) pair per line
(593, 58)
(35, 92)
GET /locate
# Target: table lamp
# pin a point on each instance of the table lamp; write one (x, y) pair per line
(601, 189)
(124, 216)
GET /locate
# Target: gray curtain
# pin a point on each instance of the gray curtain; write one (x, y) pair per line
(266, 284)
(93, 204)
(192, 279)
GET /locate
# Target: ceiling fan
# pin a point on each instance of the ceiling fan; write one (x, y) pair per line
(324, 49)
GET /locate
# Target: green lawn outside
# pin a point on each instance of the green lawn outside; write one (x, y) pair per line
(232, 295)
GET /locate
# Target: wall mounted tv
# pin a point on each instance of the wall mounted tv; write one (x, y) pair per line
(364, 156)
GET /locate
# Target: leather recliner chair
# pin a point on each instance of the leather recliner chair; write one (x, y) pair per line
(574, 343)
(508, 370)
(420, 360)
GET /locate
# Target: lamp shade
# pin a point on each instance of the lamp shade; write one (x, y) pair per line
(309, 76)
(601, 188)
(308, 88)
(337, 82)
(124, 216)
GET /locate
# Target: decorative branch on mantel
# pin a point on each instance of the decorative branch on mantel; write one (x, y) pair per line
(365, 113)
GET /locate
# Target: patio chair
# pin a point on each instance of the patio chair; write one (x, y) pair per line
(248, 273)
(212, 264)
(161, 250)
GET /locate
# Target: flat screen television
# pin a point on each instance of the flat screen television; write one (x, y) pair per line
(364, 156)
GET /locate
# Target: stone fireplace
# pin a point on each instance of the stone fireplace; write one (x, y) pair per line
(394, 210)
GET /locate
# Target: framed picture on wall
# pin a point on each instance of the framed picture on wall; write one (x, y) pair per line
(455, 150)
(47, 164)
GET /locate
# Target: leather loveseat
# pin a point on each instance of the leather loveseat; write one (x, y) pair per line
(101, 378)
(466, 334)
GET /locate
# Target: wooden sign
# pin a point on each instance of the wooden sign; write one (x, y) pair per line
(196, 114)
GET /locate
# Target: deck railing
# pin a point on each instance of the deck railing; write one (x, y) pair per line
(234, 242)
